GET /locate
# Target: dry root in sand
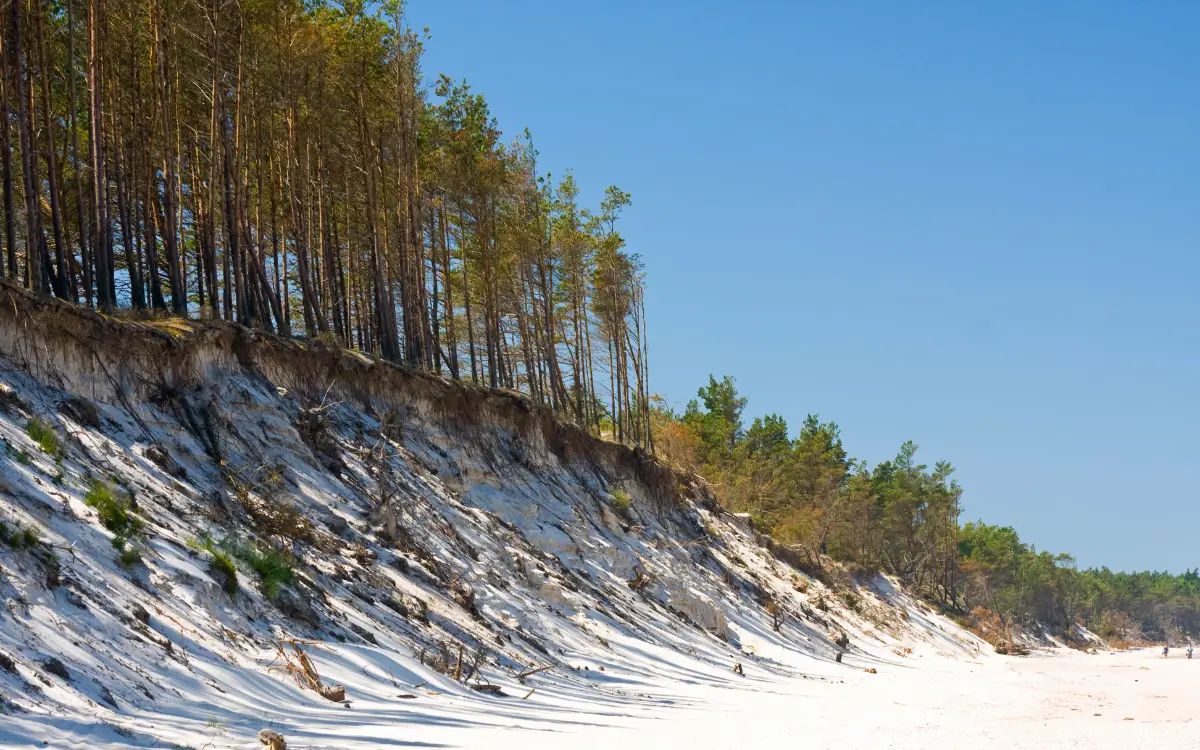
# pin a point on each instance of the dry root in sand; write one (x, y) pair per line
(300, 667)
(273, 740)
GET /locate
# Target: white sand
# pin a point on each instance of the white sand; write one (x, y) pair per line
(1062, 699)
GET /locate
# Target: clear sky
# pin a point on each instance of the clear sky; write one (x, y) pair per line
(976, 226)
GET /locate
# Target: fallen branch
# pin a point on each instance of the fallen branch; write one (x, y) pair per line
(304, 672)
(532, 672)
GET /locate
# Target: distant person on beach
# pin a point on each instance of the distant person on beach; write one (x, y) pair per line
(1189, 651)
(1165, 650)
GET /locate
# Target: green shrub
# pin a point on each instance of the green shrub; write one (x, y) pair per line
(116, 517)
(622, 501)
(19, 538)
(23, 457)
(223, 566)
(221, 563)
(113, 510)
(43, 434)
(273, 568)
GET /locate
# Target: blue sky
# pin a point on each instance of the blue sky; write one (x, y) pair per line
(973, 227)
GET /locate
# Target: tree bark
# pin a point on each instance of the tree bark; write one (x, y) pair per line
(102, 241)
(10, 229)
(60, 279)
(36, 253)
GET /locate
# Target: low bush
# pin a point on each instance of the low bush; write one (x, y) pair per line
(621, 501)
(273, 568)
(278, 519)
(19, 538)
(270, 511)
(852, 601)
(222, 565)
(114, 512)
(43, 434)
(116, 516)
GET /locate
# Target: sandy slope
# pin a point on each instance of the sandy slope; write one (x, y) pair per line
(445, 522)
(447, 527)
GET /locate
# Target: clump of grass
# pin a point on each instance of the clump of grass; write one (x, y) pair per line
(19, 538)
(222, 565)
(273, 568)
(23, 457)
(116, 516)
(622, 501)
(43, 434)
(114, 511)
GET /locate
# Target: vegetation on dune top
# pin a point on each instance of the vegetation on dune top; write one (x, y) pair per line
(903, 518)
(288, 165)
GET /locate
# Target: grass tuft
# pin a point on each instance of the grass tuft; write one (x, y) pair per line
(622, 501)
(45, 436)
(222, 563)
(273, 568)
(114, 511)
(116, 516)
(19, 538)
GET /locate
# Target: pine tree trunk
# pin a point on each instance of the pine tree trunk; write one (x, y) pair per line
(451, 333)
(102, 242)
(36, 252)
(85, 256)
(10, 228)
(60, 278)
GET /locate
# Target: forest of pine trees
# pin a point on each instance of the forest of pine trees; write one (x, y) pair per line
(903, 518)
(286, 165)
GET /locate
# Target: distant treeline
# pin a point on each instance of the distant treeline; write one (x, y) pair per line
(903, 518)
(286, 165)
